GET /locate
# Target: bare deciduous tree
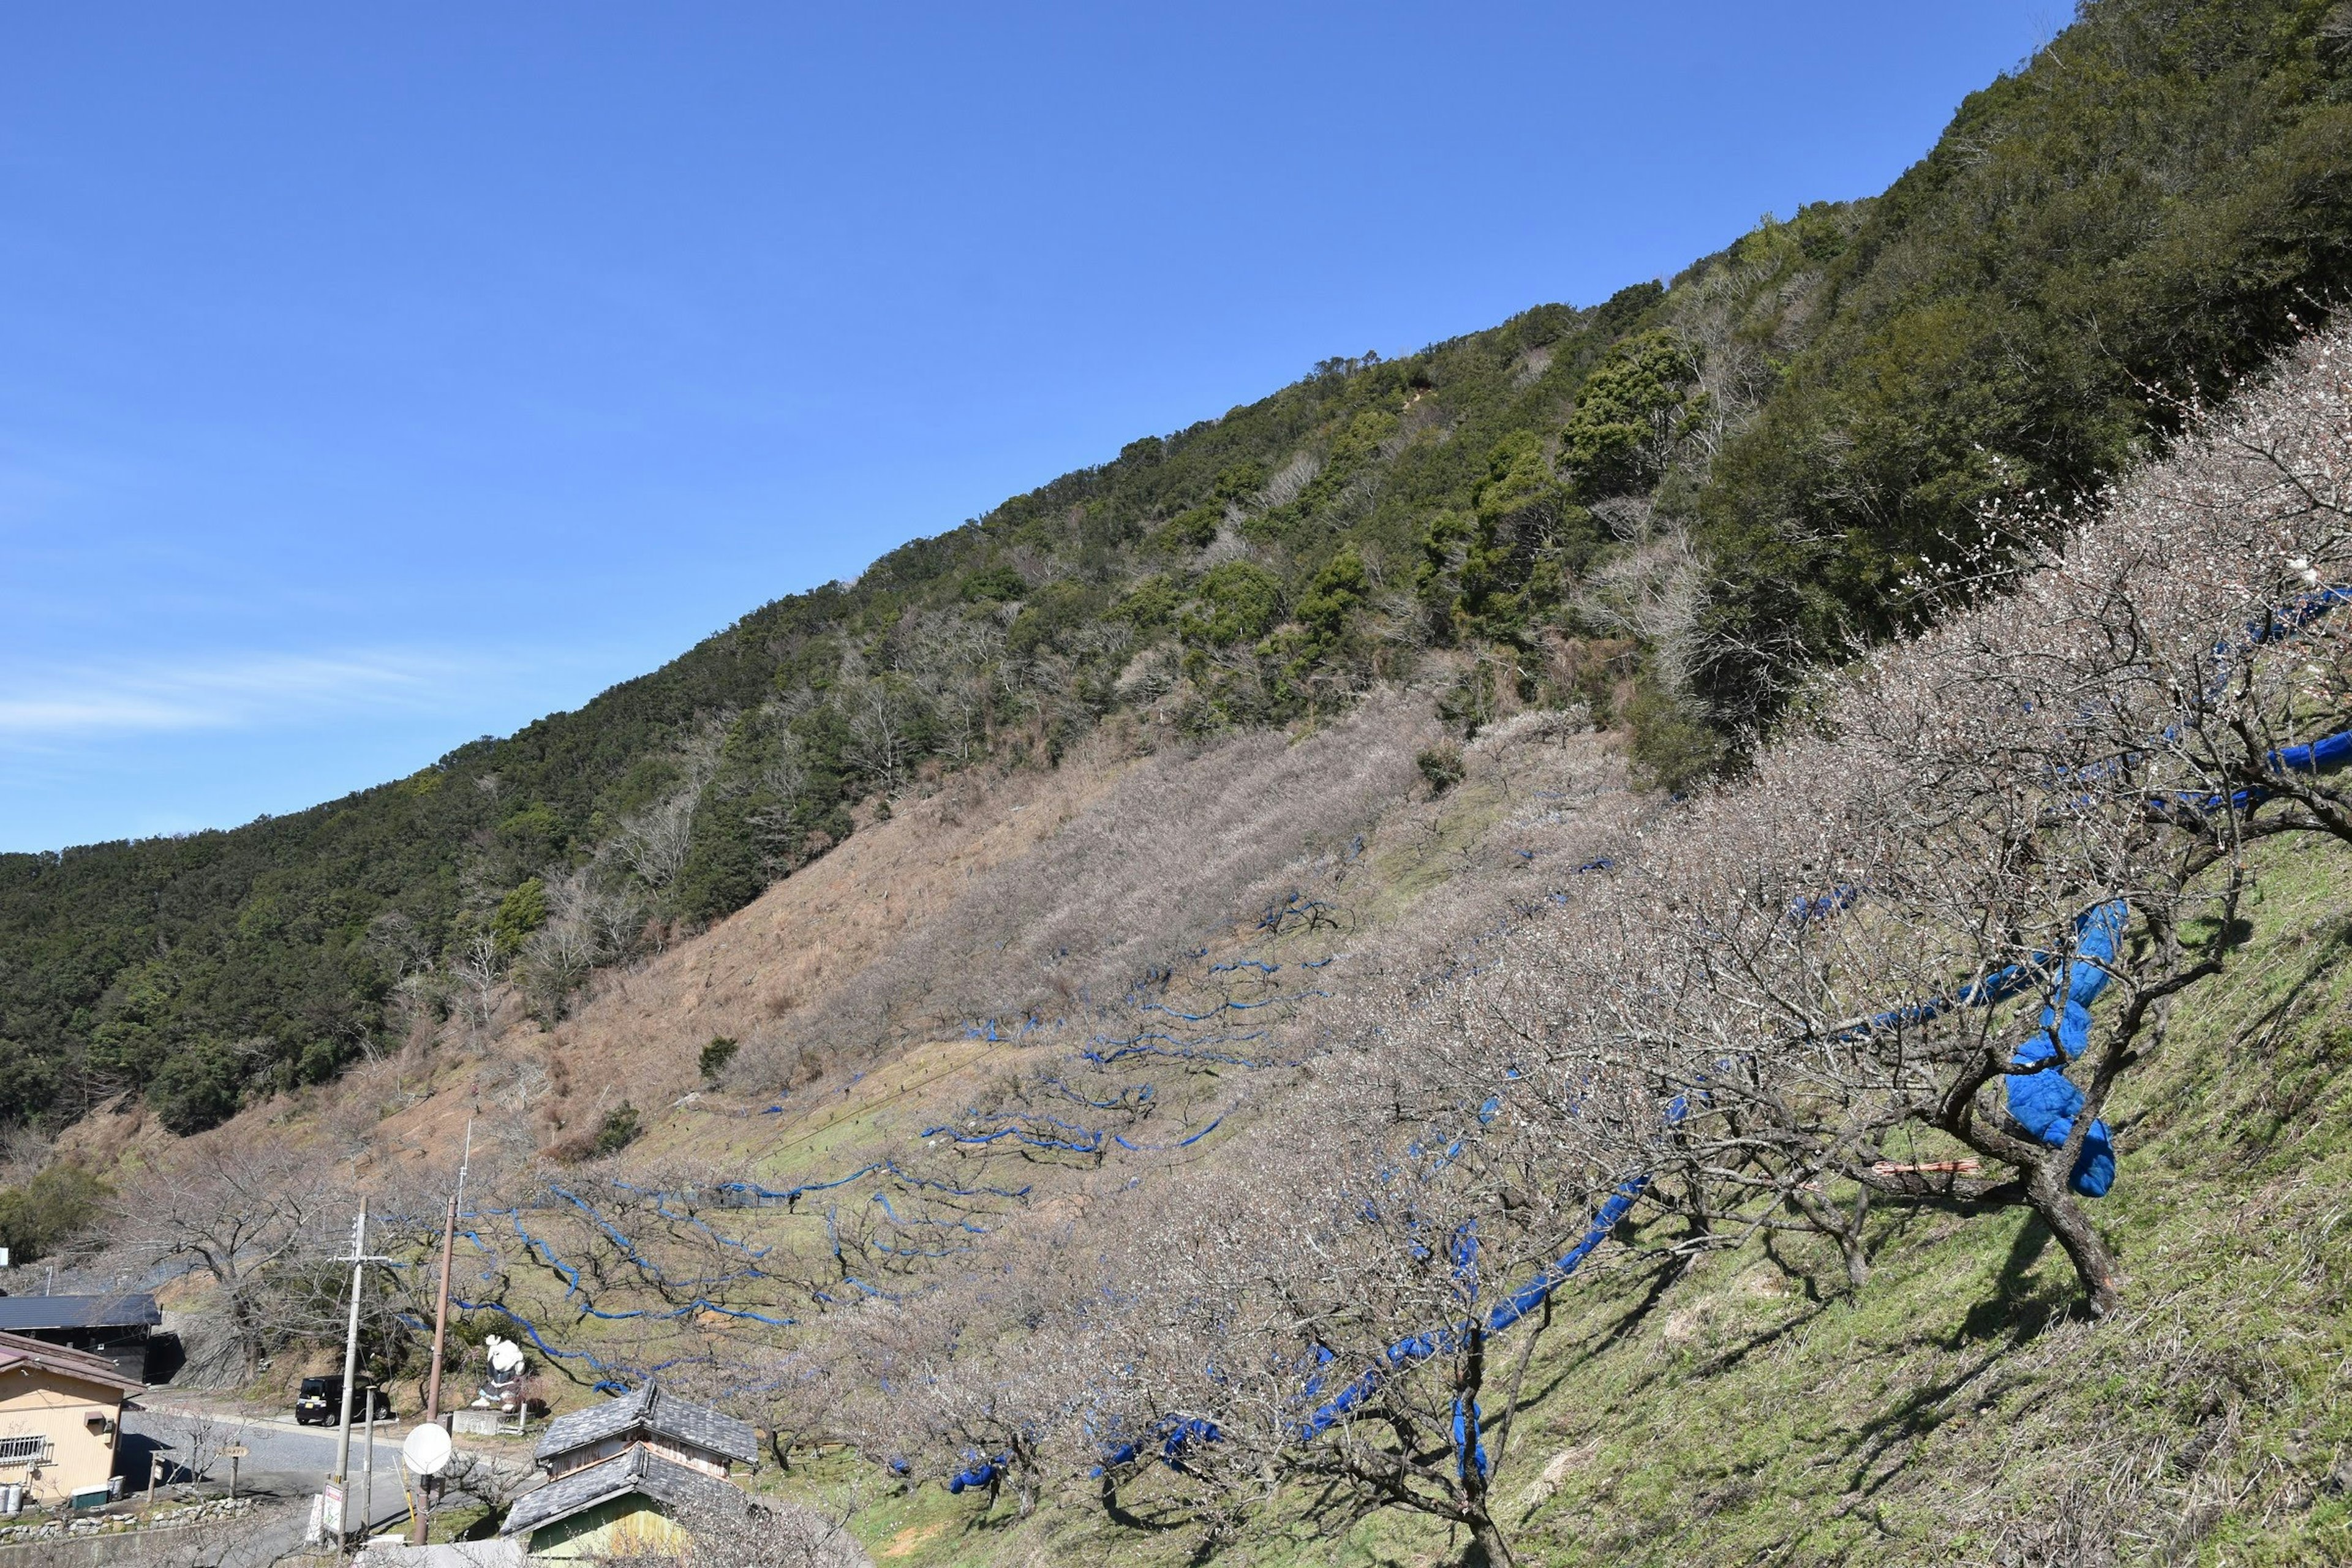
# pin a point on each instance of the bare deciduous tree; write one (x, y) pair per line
(201, 1438)
(579, 935)
(653, 843)
(237, 1210)
(881, 710)
(766, 1533)
(478, 970)
(950, 660)
(1910, 958)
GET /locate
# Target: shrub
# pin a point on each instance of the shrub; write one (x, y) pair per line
(531, 837)
(1194, 529)
(319, 1062)
(1053, 612)
(1674, 747)
(1335, 594)
(621, 1128)
(995, 582)
(195, 1088)
(1241, 483)
(1237, 602)
(520, 913)
(1441, 765)
(1150, 603)
(28, 1082)
(716, 1055)
(48, 1210)
(1626, 415)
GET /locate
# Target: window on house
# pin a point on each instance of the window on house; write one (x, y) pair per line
(23, 1449)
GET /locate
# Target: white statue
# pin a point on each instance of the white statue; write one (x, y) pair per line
(504, 1390)
(505, 1358)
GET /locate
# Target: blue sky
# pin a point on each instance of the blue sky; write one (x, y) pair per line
(374, 378)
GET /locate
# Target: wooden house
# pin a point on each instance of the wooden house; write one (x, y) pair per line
(620, 1474)
(60, 1414)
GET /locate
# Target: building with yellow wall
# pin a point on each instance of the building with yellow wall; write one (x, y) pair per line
(60, 1413)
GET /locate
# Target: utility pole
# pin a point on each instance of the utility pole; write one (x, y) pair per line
(441, 1316)
(429, 1484)
(441, 1308)
(338, 1483)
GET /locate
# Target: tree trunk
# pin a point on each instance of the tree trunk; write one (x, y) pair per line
(1487, 1547)
(1857, 1261)
(2094, 1265)
(246, 1332)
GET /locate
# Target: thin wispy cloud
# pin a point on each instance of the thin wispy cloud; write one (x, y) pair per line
(237, 691)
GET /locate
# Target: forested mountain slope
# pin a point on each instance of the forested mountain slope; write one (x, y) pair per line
(1375, 522)
(1653, 506)
(2095, 244)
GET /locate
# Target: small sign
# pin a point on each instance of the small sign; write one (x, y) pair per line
(237, 1451)
(3, 1258)
(331, 1511)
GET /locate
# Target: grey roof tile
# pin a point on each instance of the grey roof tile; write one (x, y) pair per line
(638, 1470)
(16, 1350)
(582, 1427)
(657, 1412)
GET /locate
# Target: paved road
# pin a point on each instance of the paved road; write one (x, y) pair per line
(287, 1464)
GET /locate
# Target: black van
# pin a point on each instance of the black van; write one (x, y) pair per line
(320, 1402)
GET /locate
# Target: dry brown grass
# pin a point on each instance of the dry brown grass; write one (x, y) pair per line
(850, 983)
(1005, 893)
(762, 974)
(1185, 847)
(995, 893)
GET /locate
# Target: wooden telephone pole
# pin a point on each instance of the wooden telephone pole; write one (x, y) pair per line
(419, 1522)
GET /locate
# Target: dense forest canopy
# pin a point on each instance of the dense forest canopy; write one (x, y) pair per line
(1658, 506)
(2094, 243)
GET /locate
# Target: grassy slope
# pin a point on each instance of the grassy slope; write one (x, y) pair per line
(1953, 1411)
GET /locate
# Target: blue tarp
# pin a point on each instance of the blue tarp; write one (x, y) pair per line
(2042, 1101)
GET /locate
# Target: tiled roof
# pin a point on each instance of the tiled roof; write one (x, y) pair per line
(122, 1309)
(16, 1350)
(638, 1470)
(656, 1412)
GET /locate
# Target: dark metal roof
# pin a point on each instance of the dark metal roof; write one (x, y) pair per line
(122, 1309)
(638, 1470)
(651, 1410)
